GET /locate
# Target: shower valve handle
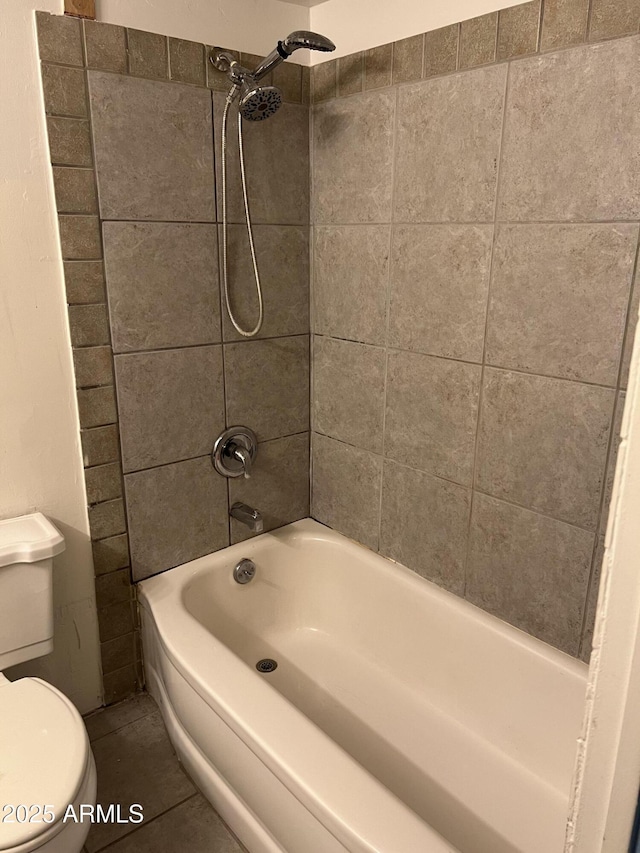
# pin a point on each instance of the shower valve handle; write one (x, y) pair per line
(234, 452)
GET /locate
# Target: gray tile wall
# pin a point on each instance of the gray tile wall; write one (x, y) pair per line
(134, 133)
(472, 301)
(475, 235)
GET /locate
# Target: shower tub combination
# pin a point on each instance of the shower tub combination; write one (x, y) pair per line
(399, 719)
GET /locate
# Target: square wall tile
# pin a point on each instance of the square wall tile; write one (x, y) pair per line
(111, 554)
(346, 489)
(93, 366)
(75, 190)
(65, 92)
(107, 519)
(96, 407)
(518, 30)
(186, 60)
(377, 66)
(171, 404)
(106, 47)
(267, 385)
(407, 59)
(432, 410)
(478, 40)
(529, 570)
(439, 288)
(162, 281)
(116, 620)
(559, 298)
(348, 392)
(564, 23)
(611, 18)
(103, 483)
(59, 39)
(113, 588)
(324, 81)
(357, 134)
(575, 164)
(279, 484)
(283, 260)
(147, 54)
(543, 444)
(80, 237)
(84, 282)
(447, 159)
(435, 545)
(176, 513)
(350, 74)
(441, 50)
(100, 445)
(88, 325)
(351, 276)
(69, 141)
(153, 149)
(277, 157)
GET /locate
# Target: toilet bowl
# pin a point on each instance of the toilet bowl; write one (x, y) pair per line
(47, 771)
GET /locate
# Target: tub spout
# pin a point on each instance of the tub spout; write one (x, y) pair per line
(247, 515)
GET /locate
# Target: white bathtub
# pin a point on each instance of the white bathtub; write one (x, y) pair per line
(400, 719)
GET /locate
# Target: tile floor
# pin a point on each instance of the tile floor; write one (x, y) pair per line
(136, 764)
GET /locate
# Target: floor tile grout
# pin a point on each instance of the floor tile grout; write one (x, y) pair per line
(147, 823)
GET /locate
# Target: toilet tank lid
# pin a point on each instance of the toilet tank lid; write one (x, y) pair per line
(28, 538)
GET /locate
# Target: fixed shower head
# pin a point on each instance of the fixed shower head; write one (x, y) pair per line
(259, 102)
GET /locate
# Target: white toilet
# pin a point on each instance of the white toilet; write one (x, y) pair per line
(46, 762)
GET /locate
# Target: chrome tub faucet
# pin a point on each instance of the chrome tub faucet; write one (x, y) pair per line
(247, 515)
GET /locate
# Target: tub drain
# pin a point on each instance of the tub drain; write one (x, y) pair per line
(266, 665)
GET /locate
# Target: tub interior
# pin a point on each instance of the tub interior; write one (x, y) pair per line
(469, 722)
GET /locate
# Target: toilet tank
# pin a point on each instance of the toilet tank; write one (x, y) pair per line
(27, 547)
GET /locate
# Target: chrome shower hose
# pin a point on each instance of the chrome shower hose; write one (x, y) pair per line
(225, 275)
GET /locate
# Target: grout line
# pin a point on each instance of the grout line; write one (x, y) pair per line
(146, 823)
(466, 486)
(394, 169)
(587, 32)
(189, 459)
(488, 365)
(174, 348)
(107, 708)
(476, 453)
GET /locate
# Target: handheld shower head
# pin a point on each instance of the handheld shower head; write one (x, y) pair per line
(294, 41)
(311, 41)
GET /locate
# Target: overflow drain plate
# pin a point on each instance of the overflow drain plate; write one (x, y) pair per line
(266, 665)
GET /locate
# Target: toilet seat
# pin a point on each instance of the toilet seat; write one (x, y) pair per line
(44, 757)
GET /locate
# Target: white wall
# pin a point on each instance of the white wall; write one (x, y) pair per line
(360, 24)
(40, 462)
(254, 26)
